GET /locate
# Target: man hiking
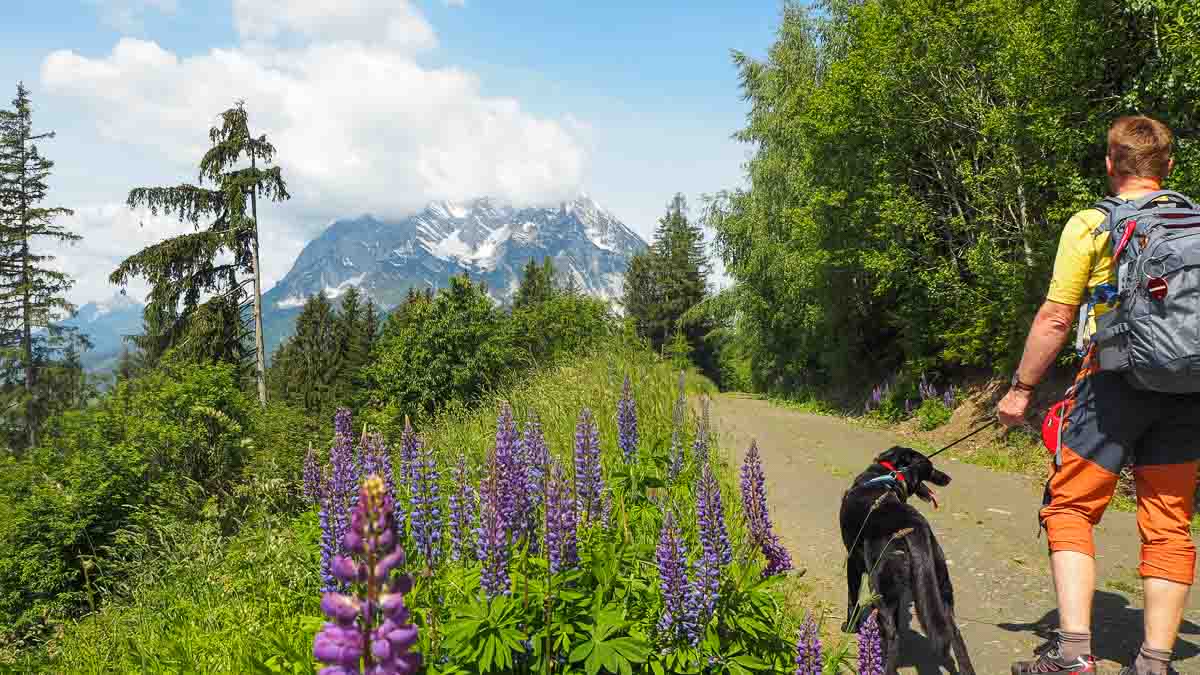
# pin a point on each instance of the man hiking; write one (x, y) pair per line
(1134, 400)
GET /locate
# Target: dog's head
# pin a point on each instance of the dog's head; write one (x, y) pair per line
(917, 470)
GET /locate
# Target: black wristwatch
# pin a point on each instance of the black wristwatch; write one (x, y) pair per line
(1019, 385)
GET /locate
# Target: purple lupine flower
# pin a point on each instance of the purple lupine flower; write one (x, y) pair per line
(510, 473)
(561, 550)
(678, 623)
(339, 489)
(426, 505)
(535, 461)
(589, 482)
(312, 477)
(927, 389)
(377, 459)
(808, 649)
(778, 558)
(329, 540)
(948, 396)
(462, 511)
(908, 406)
(714, 543)
(758, 517)
(675, 455)
(870, 647)
(369, 631)
(627, 424)
(491, 538)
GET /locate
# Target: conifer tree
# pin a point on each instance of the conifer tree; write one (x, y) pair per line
(668, 279)
(370, 328)
(32, 294)
(307, 368)
(199, 280)
(537, 283)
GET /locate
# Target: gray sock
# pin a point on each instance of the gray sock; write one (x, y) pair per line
(1074, 645)
(1152, 661)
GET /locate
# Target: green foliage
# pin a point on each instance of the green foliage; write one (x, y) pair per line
(99, 470)
(932, 414)
(906, 215)
(32, 292)
(560, 325)
(198, 280)
(206, 603)
(663, 283)
(537, 284)
(432, 351)
(317, 368)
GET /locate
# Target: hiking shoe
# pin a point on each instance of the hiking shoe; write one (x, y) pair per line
(1053, 662)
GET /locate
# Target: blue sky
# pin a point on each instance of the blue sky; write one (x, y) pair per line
(381, 105)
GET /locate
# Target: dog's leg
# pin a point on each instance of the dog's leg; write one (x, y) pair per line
(854, 577)
(961, 658)
(889, 634)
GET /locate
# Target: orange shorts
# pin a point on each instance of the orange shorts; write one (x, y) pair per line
(1109, 424)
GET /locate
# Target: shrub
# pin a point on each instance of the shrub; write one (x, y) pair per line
(450, 347)
(173, 432)
(932, 414)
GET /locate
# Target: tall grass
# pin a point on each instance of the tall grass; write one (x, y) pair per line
(250, 602)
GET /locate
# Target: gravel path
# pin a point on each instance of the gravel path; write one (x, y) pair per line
(987, 526)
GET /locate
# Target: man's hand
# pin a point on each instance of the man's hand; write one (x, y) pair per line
(1013, 407)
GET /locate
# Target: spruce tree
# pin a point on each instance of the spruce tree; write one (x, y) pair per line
(668, 279)
(537, 284)
(198, 280)
(370, 328)
(32, 294)
(307, 368)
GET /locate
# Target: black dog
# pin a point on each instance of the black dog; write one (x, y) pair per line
(893, 544)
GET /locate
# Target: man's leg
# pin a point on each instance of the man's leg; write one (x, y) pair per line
(1165, 495)
(1074, 582)
(1080, 491)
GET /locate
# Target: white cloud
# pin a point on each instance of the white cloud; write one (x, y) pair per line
(126, 15)
(359, 124)
(396, 22)
(112, 231)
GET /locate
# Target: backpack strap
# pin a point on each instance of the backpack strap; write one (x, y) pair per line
(1174, 198)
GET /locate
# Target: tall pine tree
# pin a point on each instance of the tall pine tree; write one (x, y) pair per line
(198, 298)
(32, 295)
(537, 284)
(668, 279)
(307, 368)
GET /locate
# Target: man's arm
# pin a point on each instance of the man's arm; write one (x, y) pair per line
(1049, 333)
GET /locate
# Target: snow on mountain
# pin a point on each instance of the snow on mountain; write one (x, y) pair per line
(489, 239)
(106, 323)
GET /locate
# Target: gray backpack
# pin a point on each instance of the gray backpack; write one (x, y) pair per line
(1153, 333)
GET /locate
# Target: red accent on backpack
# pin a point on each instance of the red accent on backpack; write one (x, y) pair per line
(1157, 286)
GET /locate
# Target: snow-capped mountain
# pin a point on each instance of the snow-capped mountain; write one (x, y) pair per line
(489, 239)
(106, 322)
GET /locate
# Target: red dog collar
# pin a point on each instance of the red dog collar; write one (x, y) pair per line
(890, 467)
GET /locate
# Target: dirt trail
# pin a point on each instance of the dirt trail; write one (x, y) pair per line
(987, 526)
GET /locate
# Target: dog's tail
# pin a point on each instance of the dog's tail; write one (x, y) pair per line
(932, 592)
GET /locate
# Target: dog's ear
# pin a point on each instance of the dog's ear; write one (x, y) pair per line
(892, 454)
(938, 478)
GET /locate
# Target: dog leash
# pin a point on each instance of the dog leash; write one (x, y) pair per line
(979, 430)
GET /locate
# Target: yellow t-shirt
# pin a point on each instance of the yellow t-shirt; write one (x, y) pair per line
(1083, 262)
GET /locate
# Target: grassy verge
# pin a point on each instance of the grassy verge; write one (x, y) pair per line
(248, 602)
